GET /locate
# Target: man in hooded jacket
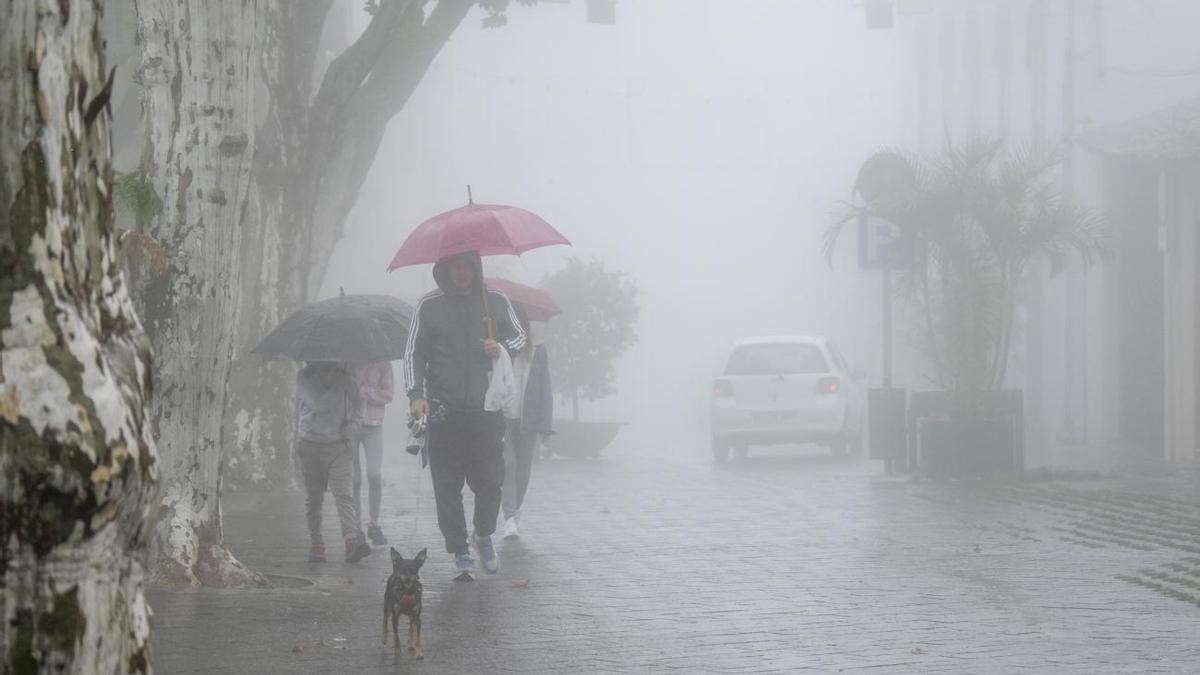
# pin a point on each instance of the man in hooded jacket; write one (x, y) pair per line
(447, 366)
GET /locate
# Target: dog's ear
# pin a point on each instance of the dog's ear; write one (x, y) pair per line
(396, 557)
(420, 559)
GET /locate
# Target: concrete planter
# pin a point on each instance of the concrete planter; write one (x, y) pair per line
(953, 441)
(581, 439)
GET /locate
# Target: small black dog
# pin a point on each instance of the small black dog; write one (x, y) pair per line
(403, 596)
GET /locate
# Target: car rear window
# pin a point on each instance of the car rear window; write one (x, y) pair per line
(784, 358)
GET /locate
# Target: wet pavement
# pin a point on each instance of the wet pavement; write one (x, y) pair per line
(795, 561)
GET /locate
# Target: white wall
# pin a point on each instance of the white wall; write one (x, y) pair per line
(1132, 58)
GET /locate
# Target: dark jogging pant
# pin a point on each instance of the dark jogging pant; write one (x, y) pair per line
(467, 446)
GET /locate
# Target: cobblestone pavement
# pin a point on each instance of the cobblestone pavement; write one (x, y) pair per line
(787, 562)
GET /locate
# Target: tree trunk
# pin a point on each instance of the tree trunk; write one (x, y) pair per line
(76, 455)
(259, 417)
(1011, 280)
(198, 64)
(314, 154)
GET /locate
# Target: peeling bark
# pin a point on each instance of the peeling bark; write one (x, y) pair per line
(198, 61)
(76, 457)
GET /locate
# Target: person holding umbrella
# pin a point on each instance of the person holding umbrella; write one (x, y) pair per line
(328, 336)
(330, 415)
(458, 333)
(447, 367)
(532, 415)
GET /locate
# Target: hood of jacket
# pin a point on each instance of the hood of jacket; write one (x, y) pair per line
(321, 375)
(442, 276)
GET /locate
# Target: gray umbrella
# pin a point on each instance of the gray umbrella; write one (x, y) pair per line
(356, 328)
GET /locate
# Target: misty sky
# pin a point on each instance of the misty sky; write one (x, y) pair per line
(698, 146)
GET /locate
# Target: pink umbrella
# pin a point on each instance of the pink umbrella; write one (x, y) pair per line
(490, 229)
(539, 306)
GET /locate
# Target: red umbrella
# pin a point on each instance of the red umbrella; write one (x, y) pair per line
(539, 306)
(490, 229)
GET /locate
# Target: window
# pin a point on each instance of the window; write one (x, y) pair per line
(781, 358)
(837, 357)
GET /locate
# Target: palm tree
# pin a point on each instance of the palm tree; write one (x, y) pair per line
(977, 216)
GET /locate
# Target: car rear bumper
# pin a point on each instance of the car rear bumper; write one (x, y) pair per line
(777, 437)
(820, 422)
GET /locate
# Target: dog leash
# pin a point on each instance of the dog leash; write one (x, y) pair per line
(417, 488)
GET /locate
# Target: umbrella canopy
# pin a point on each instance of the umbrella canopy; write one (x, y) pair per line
(356, 328)
(490, 229)
(539, 306)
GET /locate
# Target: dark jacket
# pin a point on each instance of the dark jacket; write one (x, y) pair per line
(444, 360)
(537, 411)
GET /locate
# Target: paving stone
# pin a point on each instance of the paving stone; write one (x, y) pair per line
(784, 563)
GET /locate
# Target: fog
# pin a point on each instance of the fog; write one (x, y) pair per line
(916, 378)
(697, 146)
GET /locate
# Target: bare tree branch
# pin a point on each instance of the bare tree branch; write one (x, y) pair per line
(351, 140)
(348, 71)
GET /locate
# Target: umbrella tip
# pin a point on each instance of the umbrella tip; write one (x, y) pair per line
(470, 198)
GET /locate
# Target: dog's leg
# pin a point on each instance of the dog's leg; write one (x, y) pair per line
(385, 622)
(417, 623)
(412, 645)
(396, 630)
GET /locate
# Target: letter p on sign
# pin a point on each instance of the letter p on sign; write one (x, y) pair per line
(879, 245)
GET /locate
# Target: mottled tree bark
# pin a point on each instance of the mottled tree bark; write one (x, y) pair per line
(76, 457)
(259, 419)
(199, 59)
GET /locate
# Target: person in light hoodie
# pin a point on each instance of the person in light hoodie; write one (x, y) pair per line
(330, 412)
(375, 384)
(530, 420)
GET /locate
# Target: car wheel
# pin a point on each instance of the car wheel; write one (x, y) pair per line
(740, 452)
(839, 444)
(856, 445)
(720, 451)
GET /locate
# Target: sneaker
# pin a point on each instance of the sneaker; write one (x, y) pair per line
(464, 567)
(376, 535)
(316, 554)
(511, 531)
(357, 550)
(487, 554)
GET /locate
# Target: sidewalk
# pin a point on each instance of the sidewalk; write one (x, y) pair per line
(785, 563)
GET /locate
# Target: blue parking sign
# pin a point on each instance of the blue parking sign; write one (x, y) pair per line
(881, 244)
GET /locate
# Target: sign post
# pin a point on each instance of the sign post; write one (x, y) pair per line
(881, 246)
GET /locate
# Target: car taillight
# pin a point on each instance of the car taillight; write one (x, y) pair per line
(723, 389)
(829, 385)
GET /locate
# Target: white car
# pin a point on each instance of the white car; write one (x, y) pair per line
(786, 389)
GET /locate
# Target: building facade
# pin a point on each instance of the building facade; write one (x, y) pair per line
(1108, 360)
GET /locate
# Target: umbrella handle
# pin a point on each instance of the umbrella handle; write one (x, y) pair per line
(487, 312)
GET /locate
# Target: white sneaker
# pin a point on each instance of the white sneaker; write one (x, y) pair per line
(511, 531)
(464, 566)
(488, 558)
